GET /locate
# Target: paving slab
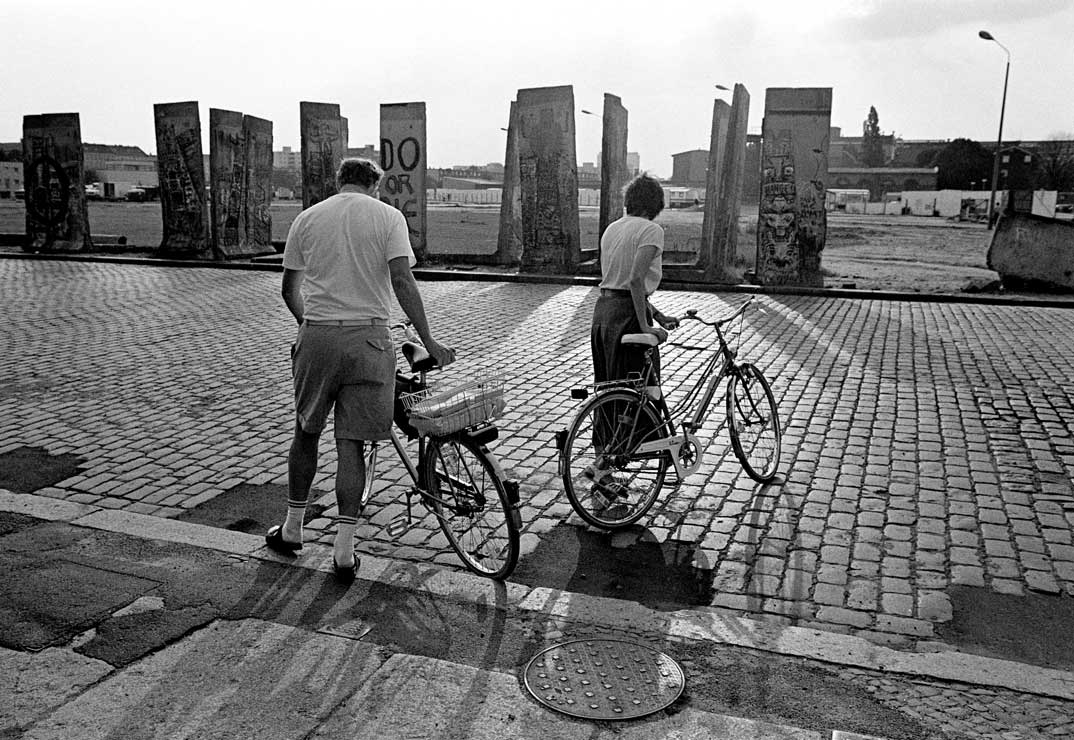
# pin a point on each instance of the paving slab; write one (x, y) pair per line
(248, 679)
(35, 684)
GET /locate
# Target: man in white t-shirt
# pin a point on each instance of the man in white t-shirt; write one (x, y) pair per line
(343, 260)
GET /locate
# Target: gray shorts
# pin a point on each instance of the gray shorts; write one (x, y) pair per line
(350, 368)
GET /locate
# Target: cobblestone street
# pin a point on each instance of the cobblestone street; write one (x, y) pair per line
(926, 446)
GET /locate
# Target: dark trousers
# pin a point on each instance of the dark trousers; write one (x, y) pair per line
(613, 317)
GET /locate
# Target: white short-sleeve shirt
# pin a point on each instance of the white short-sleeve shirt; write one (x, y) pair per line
(343, 246)
(620, 242)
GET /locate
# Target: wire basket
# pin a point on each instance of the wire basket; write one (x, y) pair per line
(473, 402)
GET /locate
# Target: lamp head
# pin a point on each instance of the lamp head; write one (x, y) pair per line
(986, 36)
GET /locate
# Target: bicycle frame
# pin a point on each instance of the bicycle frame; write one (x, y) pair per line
(710, 378)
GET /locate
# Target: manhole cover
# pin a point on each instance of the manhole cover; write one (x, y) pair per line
(604, 679)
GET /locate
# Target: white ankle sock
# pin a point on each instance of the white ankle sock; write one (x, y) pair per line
(292, 525)
(344, 547)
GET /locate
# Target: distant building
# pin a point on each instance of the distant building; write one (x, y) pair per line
(10, 179)
(881, 180)
(690, 169)
(847, 151)
(364, 152)
(119, 168)
(285, 159)
(589, 176)
(492, 172)
(1017, 168)
(469, 183)
(633, 163)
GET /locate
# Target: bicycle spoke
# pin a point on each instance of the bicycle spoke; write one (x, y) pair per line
(471, 507)
(608, 485)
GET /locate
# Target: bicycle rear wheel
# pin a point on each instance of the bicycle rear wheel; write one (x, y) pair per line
(606, 483)
(472, 505)
(753, 421)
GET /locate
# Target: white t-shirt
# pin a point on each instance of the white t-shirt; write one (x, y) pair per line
(343, 245)
(621, 241)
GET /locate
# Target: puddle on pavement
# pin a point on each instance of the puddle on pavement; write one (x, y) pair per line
(29, 469)
(1030, 628)
(247, 508)
(628, 565)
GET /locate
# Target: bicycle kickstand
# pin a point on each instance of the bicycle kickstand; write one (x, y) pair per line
(402, 522)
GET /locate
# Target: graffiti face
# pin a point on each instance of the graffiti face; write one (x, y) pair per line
(777, 223)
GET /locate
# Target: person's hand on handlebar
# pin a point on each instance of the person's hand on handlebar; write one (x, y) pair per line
(442, 354)
(665, 321)
(660, 332)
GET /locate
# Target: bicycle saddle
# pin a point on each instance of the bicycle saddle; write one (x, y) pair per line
(649, 340)
(418, 357)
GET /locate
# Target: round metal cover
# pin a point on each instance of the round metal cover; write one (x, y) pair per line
(604, 679)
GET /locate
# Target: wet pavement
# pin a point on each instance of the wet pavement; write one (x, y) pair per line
(926, 477)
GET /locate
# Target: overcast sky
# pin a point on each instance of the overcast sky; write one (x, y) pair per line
(919, 62)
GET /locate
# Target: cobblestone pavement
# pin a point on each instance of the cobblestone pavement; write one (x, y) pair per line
(926, 445)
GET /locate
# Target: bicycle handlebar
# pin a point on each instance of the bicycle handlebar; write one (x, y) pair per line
(414, 351)
(692, 315)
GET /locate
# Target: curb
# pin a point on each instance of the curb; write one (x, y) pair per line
(704, 624)
(477, 275)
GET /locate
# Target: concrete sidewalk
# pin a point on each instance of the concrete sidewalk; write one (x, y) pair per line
(128, 625)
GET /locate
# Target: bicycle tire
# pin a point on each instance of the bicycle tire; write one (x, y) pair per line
(753, 422)
(476, 514)
(643, 477)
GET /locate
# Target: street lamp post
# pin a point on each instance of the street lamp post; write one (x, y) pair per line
(999, 138)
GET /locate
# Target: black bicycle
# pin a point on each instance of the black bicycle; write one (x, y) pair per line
(614, 457)
(456, 476)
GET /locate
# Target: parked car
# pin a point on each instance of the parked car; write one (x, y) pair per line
(136, 194)
(93, 192)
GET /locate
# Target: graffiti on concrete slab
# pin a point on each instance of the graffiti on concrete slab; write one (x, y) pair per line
(257, 133)
(181, 172)
(227, 172)
(402, 157)
(240, 162)
(792, 222)
(323, 148)
(548, 180)
(56, 217)
(777, 226)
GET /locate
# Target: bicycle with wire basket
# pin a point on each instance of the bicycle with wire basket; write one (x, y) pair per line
(455, 476)
(614, 457)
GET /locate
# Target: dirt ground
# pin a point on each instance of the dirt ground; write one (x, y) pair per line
(896, 253)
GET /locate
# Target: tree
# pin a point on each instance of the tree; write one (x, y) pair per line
(1055, 163)
(872, 145)
(962, 163)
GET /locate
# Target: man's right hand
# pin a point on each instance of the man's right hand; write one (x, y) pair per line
(444, 356)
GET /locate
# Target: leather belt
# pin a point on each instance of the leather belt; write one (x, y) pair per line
(348, 322)
(614, 292)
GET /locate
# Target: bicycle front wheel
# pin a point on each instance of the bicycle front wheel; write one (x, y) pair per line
(471, 504)
(607, 483)
(753, 421)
